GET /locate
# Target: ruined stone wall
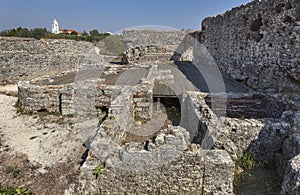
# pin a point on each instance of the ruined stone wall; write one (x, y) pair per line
(84, 98)
(257, 44)
(142, 102)
(55, 98)
(167, 159)
(144, 54)
(23, 59)
(148, 45)
(137, 38)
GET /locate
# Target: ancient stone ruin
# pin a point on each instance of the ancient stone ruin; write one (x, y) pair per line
(175, 112)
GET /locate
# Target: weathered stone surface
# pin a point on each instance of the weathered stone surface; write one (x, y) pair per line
(23, 59)
(144, 54)
(137, 38)
(291, 180)
(184, 175)
(257, 44)
(143, 46)
(199, 120)
(219, 173)
(291, 145)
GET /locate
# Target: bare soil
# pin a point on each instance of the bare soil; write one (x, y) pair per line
(259, 180)
(38, 151)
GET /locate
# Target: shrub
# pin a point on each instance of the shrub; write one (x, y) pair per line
(39, 33)
(114, 44)
(246, 161)
(18, 107)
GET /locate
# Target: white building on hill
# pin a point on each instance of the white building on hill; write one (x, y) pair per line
(55, 27)
(56, 30)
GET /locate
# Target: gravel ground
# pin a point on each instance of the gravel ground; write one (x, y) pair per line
(39, 151)
(44, 139)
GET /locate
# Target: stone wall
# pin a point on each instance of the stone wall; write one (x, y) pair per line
(253, 104)
(147, 45)
(142, 101)
(145, 54)
(67, 94)
(137, 38)
(83, 97)
(57, 98)
(165, 163)
(257, 44)
(23, 59)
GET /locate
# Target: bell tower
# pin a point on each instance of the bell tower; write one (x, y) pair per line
(55, 27)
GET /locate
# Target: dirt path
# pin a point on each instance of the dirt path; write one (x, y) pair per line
(43, 141)
(9, 90)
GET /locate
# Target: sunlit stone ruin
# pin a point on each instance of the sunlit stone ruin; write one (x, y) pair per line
(174, 111)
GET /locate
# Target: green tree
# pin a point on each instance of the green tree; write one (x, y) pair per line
(85, 33)
(74, 33)
(94, 33)
(23, 32)
(39, 32)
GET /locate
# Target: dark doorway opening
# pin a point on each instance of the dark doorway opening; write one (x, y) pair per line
(173, 109)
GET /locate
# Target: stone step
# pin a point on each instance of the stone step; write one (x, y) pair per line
(233, 100)
(241, 106)
(241, 113)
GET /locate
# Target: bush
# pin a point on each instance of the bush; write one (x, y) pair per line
(39, 33)
(24, 32)
(114, 44)
(246, 161)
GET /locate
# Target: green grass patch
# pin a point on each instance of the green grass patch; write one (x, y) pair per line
(60, 121)
(14, 191)
(98, 170)
(247, 161)
(19, 107)
(15, 171)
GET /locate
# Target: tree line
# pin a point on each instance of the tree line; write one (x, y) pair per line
(39, 33)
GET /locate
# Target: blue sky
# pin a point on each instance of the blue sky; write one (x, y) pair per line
(110, 15)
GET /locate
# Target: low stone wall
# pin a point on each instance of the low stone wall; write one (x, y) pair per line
(67, 98)
(270, 140)
(143, 46)
(61, 93)
(24, 59)
(146, 54)
(137, 38)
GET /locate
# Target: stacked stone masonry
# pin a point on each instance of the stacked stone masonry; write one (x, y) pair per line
(257, 44)
(150, 45)
(23, 59)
